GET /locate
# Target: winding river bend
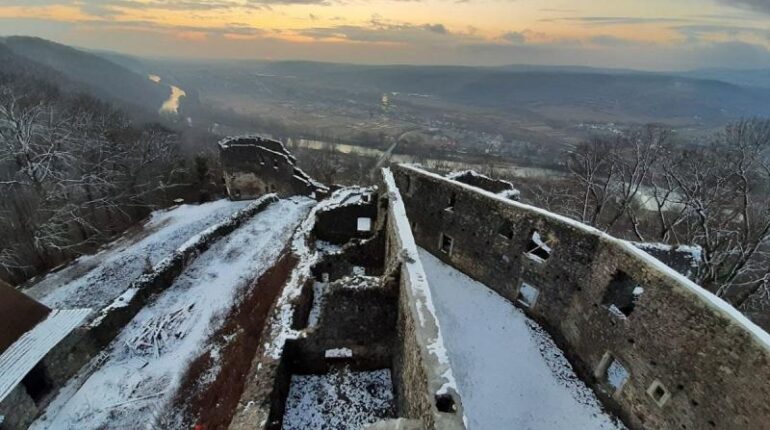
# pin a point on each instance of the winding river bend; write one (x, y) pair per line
(171, 105)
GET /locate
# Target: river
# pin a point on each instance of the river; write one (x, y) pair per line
(505, 169)
(171, 105)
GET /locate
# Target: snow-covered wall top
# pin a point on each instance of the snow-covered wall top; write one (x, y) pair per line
(255, 140)
(441, 380)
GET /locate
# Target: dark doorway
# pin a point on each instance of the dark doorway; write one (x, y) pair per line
(37, 383)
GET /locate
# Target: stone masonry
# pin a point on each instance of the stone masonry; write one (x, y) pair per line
(661, 352)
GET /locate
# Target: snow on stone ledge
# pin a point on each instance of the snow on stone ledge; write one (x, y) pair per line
(715, 303)
(338, 353)
(17, 361)
(417, 282)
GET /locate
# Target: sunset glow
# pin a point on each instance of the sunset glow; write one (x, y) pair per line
(654, 34)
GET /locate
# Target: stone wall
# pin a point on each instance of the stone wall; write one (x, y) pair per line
(423, 376)
(254, 166)
(384, 318)
(661, 352)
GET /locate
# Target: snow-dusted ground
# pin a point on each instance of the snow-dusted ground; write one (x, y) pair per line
(144, 365)
(93, 281)
(509, 372)
(340, 400)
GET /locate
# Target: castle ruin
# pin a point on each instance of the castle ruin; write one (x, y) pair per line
(347, 327)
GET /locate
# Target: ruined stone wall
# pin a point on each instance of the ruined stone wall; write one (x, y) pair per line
(354, 311)
(421, 370)
(341, 225)
(255, 166)
(85, 343)
(692, 361)
(358, 314)
(384, 318)
(484, 182)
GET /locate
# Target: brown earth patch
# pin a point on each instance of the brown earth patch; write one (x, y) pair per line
(211, 406)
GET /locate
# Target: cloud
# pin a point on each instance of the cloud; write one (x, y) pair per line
(101, 7)
(613, 41)
(698, 31)
(756, 5)
(558, 10)
(435, 28)
(183, 31)
(379, 31)
(514, 37)
(133, 26)
(524, 36)
(615, 20)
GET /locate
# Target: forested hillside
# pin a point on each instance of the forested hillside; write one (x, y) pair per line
(74, 169)
(98, 76)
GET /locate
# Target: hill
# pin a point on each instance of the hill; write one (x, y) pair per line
(634, 96)
(96, 75)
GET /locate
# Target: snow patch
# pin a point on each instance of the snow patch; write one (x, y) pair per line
(146, 361)
(509, 371)
(342, 399)
(338, 353)
(617, 375)
(96, 280)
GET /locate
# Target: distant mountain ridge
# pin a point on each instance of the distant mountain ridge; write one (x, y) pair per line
(560, 93)
(644, 96)
(751, 78)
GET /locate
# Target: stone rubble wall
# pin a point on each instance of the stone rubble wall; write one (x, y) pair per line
(83, 345)
(693, 362)
(378, 317)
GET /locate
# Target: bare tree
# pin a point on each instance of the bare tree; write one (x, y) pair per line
(611, 173)
(70, 172)
(716, 196)
(726, 189)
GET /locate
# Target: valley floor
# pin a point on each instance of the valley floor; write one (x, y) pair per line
(509, 372)
(132, 383)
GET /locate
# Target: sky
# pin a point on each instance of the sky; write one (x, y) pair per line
(638, 34)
